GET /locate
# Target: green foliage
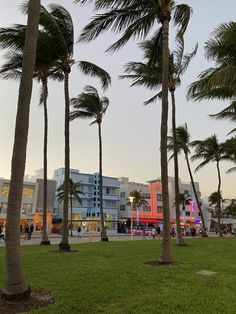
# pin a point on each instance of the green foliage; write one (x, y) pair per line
(74, 191)
(112, 277)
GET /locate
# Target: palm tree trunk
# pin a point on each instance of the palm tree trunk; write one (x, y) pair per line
(64, 244)
(103, 230)
(71, 213)
(180, 240)
(165, 252)
(45, 240)
(204, 233)
(16, 286)
(219, 198)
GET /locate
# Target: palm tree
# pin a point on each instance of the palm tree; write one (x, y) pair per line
(149, 74)
(185, 200)
(138, 200)
(210, 150)
(218, 82)
(45, 68)
(58, 23)
(183, 144)
(74, 191)
(16, 286)
(88, 105)
(213, 201)
(137, 18)
(230, 210)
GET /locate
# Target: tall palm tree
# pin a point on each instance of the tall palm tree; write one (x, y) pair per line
(74, 191)
(45, 67)
(137, 18)
(88, 105)
(58, 23)
(183, 144)
(138, 200)
(218, 82)
(211, 150)
(149, 74)
(16, 286)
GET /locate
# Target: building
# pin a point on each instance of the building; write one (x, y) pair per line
(189, 214)
(87, 214)
(32, 203)
(141, 214)
(153, 213)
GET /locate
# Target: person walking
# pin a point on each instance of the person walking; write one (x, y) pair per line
(79, 232)
(2, 233)
(153, 233)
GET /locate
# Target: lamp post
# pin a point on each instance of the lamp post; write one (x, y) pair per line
(131, 199)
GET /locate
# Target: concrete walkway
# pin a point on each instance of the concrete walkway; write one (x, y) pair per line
(56, 238)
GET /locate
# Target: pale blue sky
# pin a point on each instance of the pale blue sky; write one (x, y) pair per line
(130, 130)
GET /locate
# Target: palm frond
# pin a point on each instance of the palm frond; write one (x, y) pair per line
(93, 70)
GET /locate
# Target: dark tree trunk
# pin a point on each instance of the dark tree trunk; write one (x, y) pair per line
(165, 252)
(103, 230)
(45, 240)
(64, 244)
(204, 233)
(219, 198)
(16, 286)
(180, 240)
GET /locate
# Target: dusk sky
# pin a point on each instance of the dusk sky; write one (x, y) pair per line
(131, 131)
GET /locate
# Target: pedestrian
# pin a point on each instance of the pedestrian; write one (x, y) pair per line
(153, 233)
(26, 232)
(2, 234)
(158, 231)
(143, 233)
(79, 232)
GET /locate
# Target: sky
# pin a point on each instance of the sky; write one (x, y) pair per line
(131, 131)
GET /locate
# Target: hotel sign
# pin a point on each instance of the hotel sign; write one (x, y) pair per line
(95, 215)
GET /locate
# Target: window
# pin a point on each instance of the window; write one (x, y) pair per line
(199, 214)
(5, 190)
(122, 207)
(159, 209)
(122, 194)
(159, 197)
(146, 208)
(187, 213)
(26, 209)
(28, 192)
(186, 192)
(111, 191)
(111, 204)
(3, 208)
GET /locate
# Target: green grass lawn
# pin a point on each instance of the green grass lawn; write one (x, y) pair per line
(112, 277)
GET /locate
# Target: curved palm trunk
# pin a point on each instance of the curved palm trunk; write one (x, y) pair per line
(64, 244)
(45, 240)
(204, 233)
(180, 240)
(16, 286)
(165, 252)
(103, 230)
(219, 198)
(71, 213)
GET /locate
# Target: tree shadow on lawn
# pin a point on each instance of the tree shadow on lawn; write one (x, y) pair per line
(37, 300)
(163, 264)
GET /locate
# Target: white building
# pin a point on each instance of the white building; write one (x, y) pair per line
(87, 214)
(32, 203)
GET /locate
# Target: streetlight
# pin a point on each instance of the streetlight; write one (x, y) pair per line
(131, 199)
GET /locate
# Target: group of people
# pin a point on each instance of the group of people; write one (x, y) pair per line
(2, 232)
(28, 231)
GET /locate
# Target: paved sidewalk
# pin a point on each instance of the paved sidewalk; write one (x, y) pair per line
(56, 238)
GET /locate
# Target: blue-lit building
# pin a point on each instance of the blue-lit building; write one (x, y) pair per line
(87, 214)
